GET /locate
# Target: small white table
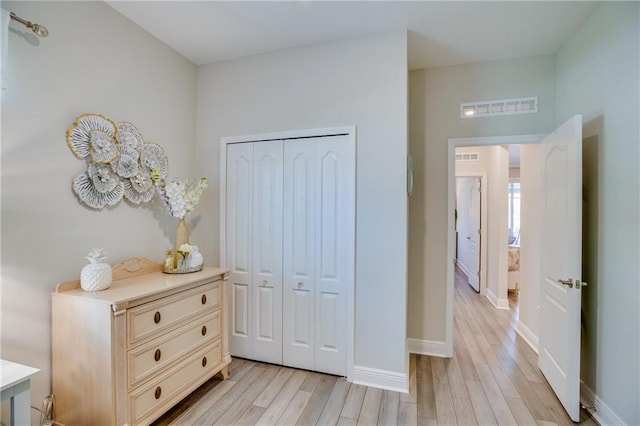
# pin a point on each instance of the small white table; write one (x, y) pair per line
(15, 383)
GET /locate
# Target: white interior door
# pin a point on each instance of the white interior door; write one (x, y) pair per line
(474, 233)
(267, 251)
(462, 226)
(560, 301)
(468, 205)
(239, 243)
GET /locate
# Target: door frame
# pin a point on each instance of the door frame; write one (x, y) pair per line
(452, 144)
(483, 225)
(350, 132)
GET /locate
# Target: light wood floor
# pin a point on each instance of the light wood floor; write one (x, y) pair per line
(492, 379)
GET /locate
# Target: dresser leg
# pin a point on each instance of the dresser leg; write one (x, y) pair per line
(224, 373)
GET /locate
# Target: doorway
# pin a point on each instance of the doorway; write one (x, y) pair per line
(493, 250)
(498, 167)
(559, 176)
(514, 224)
(470, 213)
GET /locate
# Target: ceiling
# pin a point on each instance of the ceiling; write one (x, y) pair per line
(441, 33)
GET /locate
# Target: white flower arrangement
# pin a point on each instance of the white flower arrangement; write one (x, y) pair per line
(178, 196)
(185, 250)
(187, 256)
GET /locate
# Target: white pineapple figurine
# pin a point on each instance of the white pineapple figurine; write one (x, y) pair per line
(97, 275)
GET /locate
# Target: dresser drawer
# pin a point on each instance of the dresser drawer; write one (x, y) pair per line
(152, 318)
(148, 359)
(170, 387)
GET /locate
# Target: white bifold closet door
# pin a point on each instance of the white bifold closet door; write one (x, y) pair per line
(254, 249)
(289, 224)
(316, 253)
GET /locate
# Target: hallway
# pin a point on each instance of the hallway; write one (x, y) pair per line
(493, 376)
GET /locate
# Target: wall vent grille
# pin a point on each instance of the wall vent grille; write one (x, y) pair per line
(499, 107)
(468, 156)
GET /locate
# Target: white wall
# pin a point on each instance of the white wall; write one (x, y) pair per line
(434, 116)
(360, 82)
(530, 243)
(597, 76)
(94, 60)
(497, 228)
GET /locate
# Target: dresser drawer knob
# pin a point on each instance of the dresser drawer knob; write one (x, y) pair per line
(204, 361)
(158, 392)
(157, 355)
(204, 330)
(204, 299)
(156, 317)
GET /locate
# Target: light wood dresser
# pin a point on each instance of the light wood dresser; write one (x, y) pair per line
(127, 354)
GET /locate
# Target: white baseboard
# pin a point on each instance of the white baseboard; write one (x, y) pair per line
(527, 335)
(428, 347)
(382, 379)
(498, 303)
(600, 411)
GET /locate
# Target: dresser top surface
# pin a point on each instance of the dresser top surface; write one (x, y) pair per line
(125, 290)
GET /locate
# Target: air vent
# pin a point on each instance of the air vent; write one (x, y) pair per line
(468, 156)
(500, 107)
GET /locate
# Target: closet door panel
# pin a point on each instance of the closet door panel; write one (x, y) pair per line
(264, 314)
(239, 182)
(302, 329)
(333, 183)
(240, 312)
(267, 250)
(328, 332)
(300, 214)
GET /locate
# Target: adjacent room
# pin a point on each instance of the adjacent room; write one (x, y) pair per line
(251, 212)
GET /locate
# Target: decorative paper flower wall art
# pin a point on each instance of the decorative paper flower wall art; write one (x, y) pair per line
(119, 162)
